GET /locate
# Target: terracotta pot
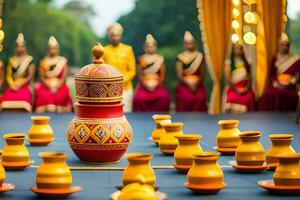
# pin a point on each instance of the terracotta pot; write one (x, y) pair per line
(99, 133)
(15, 153)
(158, 131)
(287, 172)
(138, 164)
(40, 132)
(205, 170)
(168, 143)
(188, 145)
(53, 173)
(228, 136)
(280, 143)
(250, 152)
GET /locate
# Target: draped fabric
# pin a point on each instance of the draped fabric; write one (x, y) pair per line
(215, 23)
(269, 29)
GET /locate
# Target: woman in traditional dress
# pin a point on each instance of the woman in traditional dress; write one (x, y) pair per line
(52, 93)
(281, 93)
(239, 95)
(190, 93)
(150, 94)
(19, 73)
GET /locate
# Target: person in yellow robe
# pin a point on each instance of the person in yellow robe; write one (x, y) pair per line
(122, 57)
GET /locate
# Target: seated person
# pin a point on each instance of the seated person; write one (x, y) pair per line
(190, 93)
(281, 93)
(239, 95)
(52, 92)
(19, 73)
(150, 94)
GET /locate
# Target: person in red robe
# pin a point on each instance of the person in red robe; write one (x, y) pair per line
(150, 94)
(19, 73)
(281, 93)
(52, 92)
(190, 93)
(239, 94)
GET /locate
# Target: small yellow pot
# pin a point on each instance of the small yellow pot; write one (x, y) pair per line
(40, 133)
(287, 172)
(138, 164)
(188, 145)
(15, 155)
(250, 152)
(168, 143)
(281, 143)
(2, 174)
(205, 170)
(158, 131)
(53, 172)
(228, 136)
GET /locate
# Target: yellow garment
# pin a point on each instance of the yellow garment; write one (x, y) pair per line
(212, 14)
(269, 30)
(121, 57)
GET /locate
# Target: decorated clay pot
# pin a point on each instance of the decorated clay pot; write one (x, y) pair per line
(158, 131)
(228, 136)
(250, 152)
(188, 145)
(168, 143)
(138, 164)
(205, 170)
(287, 172)
(15, 155)
(281, 143)
(40, 132)
(53, 173)
(99, 132)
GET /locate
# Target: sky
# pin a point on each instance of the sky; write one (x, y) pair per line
(108, 11)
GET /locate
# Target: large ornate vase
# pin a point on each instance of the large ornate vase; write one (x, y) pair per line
(99, 132)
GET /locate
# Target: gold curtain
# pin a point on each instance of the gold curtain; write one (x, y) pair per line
(215, 23)
(269, 29)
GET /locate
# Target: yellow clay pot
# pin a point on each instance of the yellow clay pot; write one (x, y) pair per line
(188, 145)
(138, 164)
(281, 143)
(205, 170)
(53, 172)
(228, 136)
(168, 142)
(2, 175)
(250, 152)
(287, 172)
(40, 133)
(158, 131)
(15, 152)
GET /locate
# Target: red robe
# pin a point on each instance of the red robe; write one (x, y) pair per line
(60, 101)
(280, 99)
(151, 101)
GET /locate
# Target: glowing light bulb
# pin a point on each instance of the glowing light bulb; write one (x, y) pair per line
(250, 18)
(235, 12)
(1, 35)
(234, 38)
(236, 2)
(249, 38)
(235, 24)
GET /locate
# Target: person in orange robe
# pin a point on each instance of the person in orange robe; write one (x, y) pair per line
(239, 94)
(150, 94)
(52, 92)
(281, 93)
(190, 93)
(19, 73)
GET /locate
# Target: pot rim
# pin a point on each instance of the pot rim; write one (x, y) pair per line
(189, 137)
(14, 136)
(138, 156)
(53, 154)
(97, 105)
(250, 134)
(206, 155)
(289, 155)
(281, 136)
(161, 117)
(228, 122)
(172, 124)
(40, 117)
